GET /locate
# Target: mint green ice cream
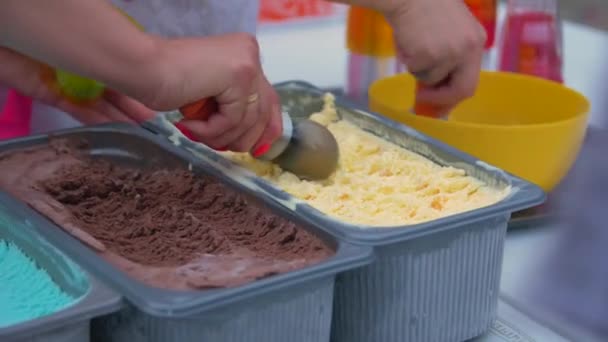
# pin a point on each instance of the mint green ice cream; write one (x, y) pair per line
(26, 290)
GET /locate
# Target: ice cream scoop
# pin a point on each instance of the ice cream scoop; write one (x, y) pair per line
(304, 148)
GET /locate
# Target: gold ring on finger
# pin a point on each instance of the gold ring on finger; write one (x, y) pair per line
(252, 98)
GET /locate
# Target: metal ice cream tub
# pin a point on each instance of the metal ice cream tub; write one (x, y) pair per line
(91, 299)
(430, 282)
(295, 306)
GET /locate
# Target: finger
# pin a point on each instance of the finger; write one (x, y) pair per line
(423, 68)
(208, 132)
(435, 75)
(274, 126)
(251, 136)
(426, 101)
(232, 139)
(233, 109)
(99, 113)
(462, 84)
(108, 110)
(85, 116)
(230, 113)
(134, 109)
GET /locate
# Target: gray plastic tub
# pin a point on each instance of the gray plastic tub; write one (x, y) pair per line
(431, 282)
(294, 307)
(71, 324)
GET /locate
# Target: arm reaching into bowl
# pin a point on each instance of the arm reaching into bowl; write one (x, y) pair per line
(439, 41)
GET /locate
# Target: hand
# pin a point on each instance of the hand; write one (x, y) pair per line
(36, 80)
(441, 43)
(162, 74)
(227, 68)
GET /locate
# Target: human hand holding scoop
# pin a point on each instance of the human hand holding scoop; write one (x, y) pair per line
(305, 148)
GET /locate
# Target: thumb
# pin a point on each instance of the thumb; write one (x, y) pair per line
(134, 109)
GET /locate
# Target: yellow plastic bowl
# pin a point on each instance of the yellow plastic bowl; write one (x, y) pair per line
(528, 126)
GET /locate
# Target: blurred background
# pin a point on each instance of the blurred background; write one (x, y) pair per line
(589, 12)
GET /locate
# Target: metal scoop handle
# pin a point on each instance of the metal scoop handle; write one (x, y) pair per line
(202, 109)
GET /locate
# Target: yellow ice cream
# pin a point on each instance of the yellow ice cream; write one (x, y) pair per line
(378, 183)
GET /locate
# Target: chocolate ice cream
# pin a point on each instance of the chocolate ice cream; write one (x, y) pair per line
(167, 228)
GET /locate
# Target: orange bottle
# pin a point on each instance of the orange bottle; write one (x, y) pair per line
(485, 11)
(372, 52)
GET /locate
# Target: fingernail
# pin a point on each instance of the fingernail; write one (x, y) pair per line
(185, 131)
(262, 149)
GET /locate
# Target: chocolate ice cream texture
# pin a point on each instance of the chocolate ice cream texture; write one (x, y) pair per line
(168, 228)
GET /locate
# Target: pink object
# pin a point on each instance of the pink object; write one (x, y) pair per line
(15, 116)
(532, 41)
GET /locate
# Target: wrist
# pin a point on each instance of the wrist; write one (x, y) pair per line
(392, 10)
(169, 68)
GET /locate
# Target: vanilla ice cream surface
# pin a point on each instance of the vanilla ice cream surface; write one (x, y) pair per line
(378, 183)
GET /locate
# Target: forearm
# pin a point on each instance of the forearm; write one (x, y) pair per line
(19, 72)
(90, 38)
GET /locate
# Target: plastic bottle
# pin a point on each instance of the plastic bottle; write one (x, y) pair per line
(532, 39)
(485, 11)
(372, 53)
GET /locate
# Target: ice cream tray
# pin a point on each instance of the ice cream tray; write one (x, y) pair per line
(267, 310)
(92, 298)
(435, 281)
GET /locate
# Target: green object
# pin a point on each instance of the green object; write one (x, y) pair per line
(78, 87)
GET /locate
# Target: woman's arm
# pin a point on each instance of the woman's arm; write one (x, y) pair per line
(439, 41)
(90, 38)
